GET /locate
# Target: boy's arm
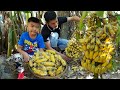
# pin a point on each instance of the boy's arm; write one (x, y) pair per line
(25, 55)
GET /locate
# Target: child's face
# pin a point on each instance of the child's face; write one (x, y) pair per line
(33, 28)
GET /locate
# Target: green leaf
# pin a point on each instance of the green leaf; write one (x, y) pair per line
(100, 13)
(81, 24)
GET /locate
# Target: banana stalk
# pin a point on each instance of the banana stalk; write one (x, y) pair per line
(81, 24)
(9, 51)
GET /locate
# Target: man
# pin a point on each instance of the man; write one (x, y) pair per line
(51, 31)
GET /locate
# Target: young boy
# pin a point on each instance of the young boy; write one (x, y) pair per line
(31, 41)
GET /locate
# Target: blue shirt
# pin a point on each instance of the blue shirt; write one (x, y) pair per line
(31, 45)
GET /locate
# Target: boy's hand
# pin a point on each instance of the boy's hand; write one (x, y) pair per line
(26, 57)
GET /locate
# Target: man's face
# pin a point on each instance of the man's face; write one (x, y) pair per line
(33, 28)
(53, 23)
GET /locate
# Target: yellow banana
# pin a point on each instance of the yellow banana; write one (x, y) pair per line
(51, 73)
(45, 55)
(96, 70)
(59, 70)
(84, 47)
(30, 63)
(88, 46)
(108, 57)
(111, 31)
(98, 41)
(50, 68)
(48, 63)
(103, 70)
(42, 67)
(51, 51)
(93, 40)
(105, 64)
(93, 68)
(82, 41)
(41, 60)
(103, 36)
(95, 54)
(109, 66)
(91, 54)
(97, 59)
(87, 54)
(96, 48)
(52, 58)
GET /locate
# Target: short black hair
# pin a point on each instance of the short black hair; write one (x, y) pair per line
(34, 19)
(50, 15)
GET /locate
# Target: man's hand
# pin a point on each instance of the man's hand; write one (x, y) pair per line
(73, 18)
(64, 57)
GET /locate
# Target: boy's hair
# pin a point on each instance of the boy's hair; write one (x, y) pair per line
(50, 15)
(34, 19)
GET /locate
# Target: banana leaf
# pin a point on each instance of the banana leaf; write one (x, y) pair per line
(100, 15)
(118, 32)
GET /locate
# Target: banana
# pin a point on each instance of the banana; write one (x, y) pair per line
(45, 55)
(30, 63)
(48, 63)
(51, 73)
(84, 47)
(108, 57)
(52, 58)
(95, 54)
(93, 68)
(103, 36)
(109, 66)
(51, 51)
(50, 68)
(41, 60)
(82, 41)
(103, 70)
(87, 54)
(105, 64)
(42, 67)
(34, 64)
(63, 62)
(88, 46)
(98, 41)
(97, 59)
(91, 54)
(59, 70)
(96, 69)
(89, 67)
(40, 72)
(93, 40)
(96, 48)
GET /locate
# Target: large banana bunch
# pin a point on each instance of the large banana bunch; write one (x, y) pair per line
(97, 45)
(47, 63)
(73, 49)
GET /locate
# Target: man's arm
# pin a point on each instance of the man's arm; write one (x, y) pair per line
(25, 55)
(73, 18)
(48, 46)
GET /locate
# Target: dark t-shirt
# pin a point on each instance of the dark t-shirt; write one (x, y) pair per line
(46, 32)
